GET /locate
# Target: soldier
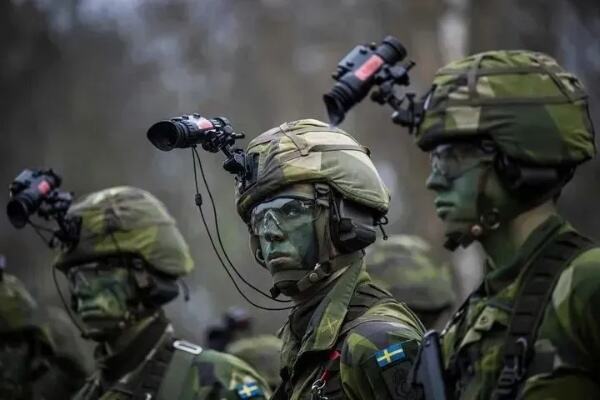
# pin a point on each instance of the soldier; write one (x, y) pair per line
(236, 324)
(311, 207)
(121, 272)
(402, 264)
(505, 131)
(30, 365)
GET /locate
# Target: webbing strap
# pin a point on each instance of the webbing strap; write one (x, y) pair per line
(146, 383)
(368, 296)
(180, 367)
(530, 306)
(321, 148)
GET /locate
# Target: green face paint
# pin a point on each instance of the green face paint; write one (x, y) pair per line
(455, 178)
(15, 365)
(102, 291)
(285, 228)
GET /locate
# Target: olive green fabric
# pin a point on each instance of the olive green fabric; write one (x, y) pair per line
(261, 352)
(128, 220)
(307, 151)
(356, 318)
(403, 265)
(208, 375)
(55, 369)
(532, 109)
(18, 309)
(566, 362)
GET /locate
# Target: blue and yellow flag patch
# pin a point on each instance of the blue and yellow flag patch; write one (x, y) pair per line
(248, 390)
(390, 355)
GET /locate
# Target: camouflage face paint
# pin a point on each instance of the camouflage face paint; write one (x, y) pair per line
(455, 178)
(454, 160)
(456, 172)
(285, 227)
(101, 291)
(456, 200)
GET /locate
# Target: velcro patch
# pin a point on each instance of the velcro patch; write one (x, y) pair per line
(248, 390)
(390, 355)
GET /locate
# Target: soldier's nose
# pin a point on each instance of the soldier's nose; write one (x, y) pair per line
(272, 232)
(437, 182)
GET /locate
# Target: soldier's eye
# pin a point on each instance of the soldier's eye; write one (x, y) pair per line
(292, 209)
(296, 208)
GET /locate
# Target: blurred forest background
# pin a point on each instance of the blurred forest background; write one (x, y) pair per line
(82, 80)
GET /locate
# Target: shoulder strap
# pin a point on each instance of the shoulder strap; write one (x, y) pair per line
(145, 383)
(530, 305)
(173, 384)
(365, 296)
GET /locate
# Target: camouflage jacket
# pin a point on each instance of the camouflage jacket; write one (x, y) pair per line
(376, 336)
(566, 358)
(158, 367)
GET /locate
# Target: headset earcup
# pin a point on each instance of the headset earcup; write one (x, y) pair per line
(530, 182)
(508, 173)
(159, 291)
(352, 226)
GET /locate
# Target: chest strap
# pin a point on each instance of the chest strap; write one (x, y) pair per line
(163, 376)
(180, 367)
(529, 308)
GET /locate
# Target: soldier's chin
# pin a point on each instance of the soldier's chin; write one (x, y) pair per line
(457, 234)
(288, 288)
(457, 228)
(100, 329)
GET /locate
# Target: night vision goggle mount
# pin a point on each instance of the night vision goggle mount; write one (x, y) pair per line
(38, 192)
(213, 134)
(382, 67)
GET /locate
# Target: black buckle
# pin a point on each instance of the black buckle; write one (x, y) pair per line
(512, 372)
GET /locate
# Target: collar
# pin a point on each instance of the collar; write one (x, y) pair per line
(116, 365)
(326, 321)
(497, 279)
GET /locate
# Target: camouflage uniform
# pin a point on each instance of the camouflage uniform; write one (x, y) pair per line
(535, 113)
(376, 335)
(125, 220)
(403, 266)
(44, 373)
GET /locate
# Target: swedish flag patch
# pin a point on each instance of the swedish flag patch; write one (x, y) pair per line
(248, 390)
(390, 355)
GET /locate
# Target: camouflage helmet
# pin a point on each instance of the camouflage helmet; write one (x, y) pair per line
(402, 264)
(533, 110)
(19, 312)
(311, 151)
(127, 220)
(261, 352)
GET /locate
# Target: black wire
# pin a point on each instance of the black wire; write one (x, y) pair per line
(220, 240)
(64, 303)
(212, 242)
(38, 230)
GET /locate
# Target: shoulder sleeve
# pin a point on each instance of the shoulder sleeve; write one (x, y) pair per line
(569, 337)
(573, 322)
(376, 359)
(227, 377)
